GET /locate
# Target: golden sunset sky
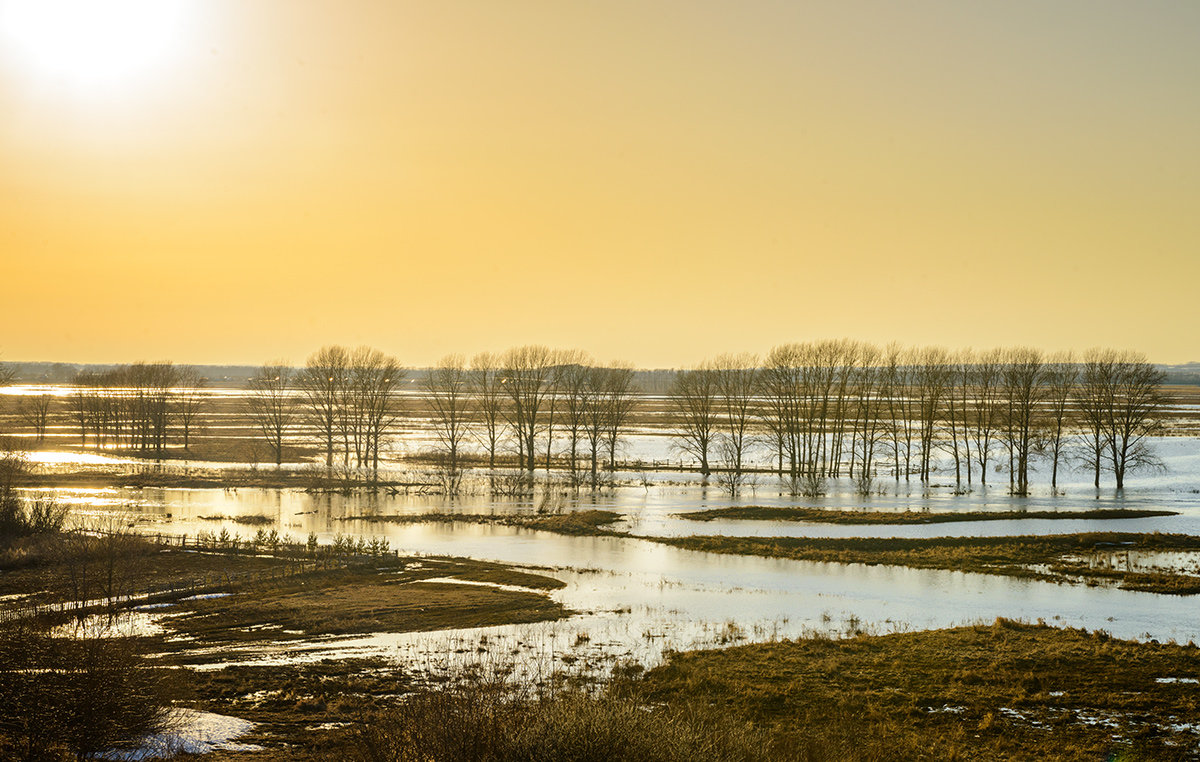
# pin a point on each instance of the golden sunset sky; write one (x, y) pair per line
(232, 181)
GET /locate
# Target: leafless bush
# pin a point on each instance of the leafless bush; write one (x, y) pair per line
(103, 560)
(78, 694)
(513, 484)
(731, 481)
(864, 484)
(23, 517)
(489, 719)
(808, 485)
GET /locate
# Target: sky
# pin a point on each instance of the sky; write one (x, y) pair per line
(220, 181)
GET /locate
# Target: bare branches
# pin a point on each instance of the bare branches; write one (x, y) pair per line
(447, 389)
(323, 382)
(694, 398)
(35, 410)
(525, 379)
(272, 405)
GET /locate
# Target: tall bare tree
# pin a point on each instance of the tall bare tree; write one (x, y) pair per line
(693, 398)
(933, 374)
(1023, 391)
(985, 408)
(526, 375)
(783, 387)
(869, 414)
(1061, 379)
(35, 409)
(618, 397)
(737, 380)
(1134, 415)
(577, 394)
(374, 404)
(1094, 399)
(189, 400)
(902, 406)
(447, 389)
(487, 392)
(323, 384)
(272, 405)
(564, 361)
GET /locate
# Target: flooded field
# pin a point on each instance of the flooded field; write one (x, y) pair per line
(634, 598)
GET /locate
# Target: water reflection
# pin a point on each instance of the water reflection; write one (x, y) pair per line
(636, 598)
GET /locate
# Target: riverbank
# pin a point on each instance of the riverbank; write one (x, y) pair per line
(1054, 558)
(1000, 691)
(1006, 690)
(586, 522)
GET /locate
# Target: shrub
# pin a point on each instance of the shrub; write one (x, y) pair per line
(79, 694)
(490, 721)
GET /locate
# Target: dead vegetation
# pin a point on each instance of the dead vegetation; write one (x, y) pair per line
(1004, 691)
(360, 599)
(587, 522)
(867, 517)
(1049, 557)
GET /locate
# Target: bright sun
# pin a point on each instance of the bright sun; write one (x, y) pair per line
(91, 46)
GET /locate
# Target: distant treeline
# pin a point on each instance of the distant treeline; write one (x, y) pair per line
(650, 381)
(820, 409)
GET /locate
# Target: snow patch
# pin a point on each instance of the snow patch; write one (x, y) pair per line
(195, 733)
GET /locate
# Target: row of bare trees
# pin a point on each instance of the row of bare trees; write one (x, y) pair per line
(830, 408)
(136, 406)
(821, 409)
(537, 398)
(346, 397)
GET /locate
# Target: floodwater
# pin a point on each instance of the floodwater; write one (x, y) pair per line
(635, 598)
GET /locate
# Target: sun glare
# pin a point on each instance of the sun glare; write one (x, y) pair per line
(91, 46)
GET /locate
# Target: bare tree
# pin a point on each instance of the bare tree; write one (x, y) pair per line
(374, 407)
(271, 404)
(844, 359)
(595, 418)
(984, 413)
(35, 409)
(693, 397)
(1134, 414)
(565, 360)
(1023, 390)
(577, 401)
(1095, 400)
(487, 392)
(323, 384)
(618, 397)
(146, 390)
(447, 392)
(902, 407)
(526, 375)
(784, 375)
(869, 419)
(933, 374)
(737, 381)
(189, 400)
(956, 409)
(1061, 379)
(81, 404)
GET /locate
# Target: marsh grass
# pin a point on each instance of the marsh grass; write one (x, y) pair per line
(489, 719)
(586, 522)
(1008, 690)
(1047, 557)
